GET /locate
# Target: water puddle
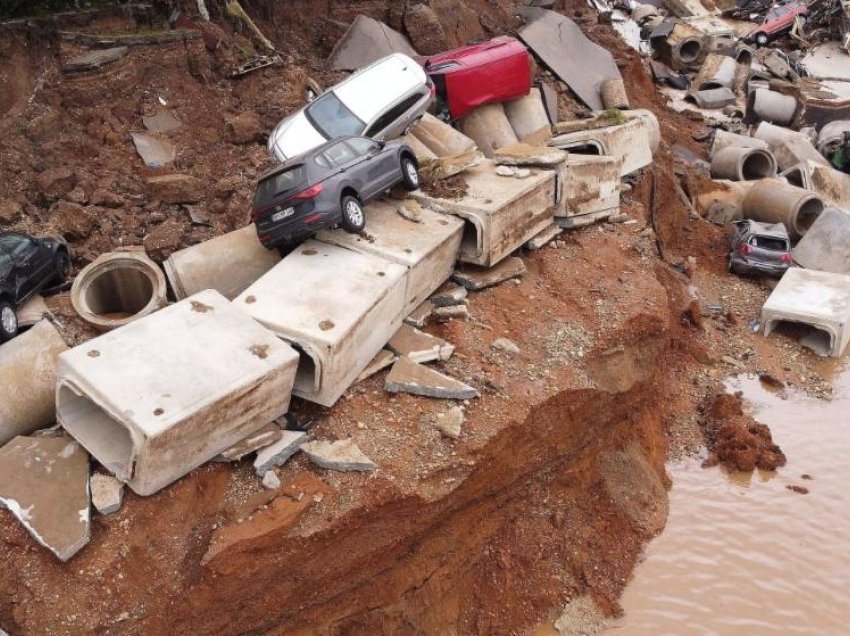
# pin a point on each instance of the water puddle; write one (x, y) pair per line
(743, 554)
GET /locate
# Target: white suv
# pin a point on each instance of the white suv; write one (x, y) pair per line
(383, 101)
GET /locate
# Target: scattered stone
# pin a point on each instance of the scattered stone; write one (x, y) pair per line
(454, 295)
(512, 171)
(276, 454)
(475, 278)
(175, 188)
(503, 344)
(450, 422)
(56, 182)
(107, 493)
(271, 480)
(523, 154)
(419, 346)
(409, 212)
(380, 362)
(243, 128)
(10, 211)
(411, 377)
(267, 435)
(732, 362)
(619, 218)
(419, 316)
(343, 455)
(106, 199)
(71, 219)
(94, 60)
(544, 237)
(162, 122)
(425, 30)
(443, 314)
(164, 239)
(44, 483)
(155, 152)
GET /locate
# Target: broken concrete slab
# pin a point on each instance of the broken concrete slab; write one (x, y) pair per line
(478, 278)
(32, 311)
(818, 299)
(162, 122)
(440, 138)
(431, 170)
(488, 127)
(451, 295)
(343, 455)
(427, 247)
(380, 362)
(160, 396)
(450, 423)
(44, 483)
(503, 344)
(631, 140)
(444, 314)
(338, 323)
(419, 346)
(422, 152)
(229, 264)
(277, 453)
(826, 246)
(512, 171)
(544, 237)
(419, 316)
(27, 380)
(107, 493)
(261, 438)
(155, 152)
(408, 376)
(366, 41)
(271, 481)
(523, 154)
(795, 150)
(575, 59)
(94, 60)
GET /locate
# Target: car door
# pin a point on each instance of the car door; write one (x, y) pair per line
(351, 167)
(376, 165)
(7, 275)
(31, 262)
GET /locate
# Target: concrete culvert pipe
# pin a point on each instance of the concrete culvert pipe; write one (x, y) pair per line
(724, 139)
(613, 92)
(766, 105)
(643, 12)
(117, 288)
(743, 164)
(831, 134)
(688, 50)
(773, 201)
(744, 55)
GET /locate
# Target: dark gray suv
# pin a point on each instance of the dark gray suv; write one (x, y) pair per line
(759, 248)
(329, 186)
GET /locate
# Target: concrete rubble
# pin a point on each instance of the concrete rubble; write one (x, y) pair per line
(419, 317)
(366, 41)
(93, 61)
(271, 481)
(384, 359)
(478, 278)
(277, 453)
(154, 151)
(44, 483)
(32, 311)
(450, 312)
(449, 295)
(826, 246)
(343, 455)
(419, 346)
(107, 493)
(408, 376)
(450, 423)
(261, 438)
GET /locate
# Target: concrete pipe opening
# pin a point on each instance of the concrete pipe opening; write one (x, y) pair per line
(744, 56)
(119, 293)
(689, 50)
(757, 165)
(105, 438)
(308, 373)
(586, 148)
(795, 177)
(807, 214)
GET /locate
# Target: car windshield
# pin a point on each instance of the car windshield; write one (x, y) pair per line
(332, 118)
(271, 188)
(14, 244)
(769, 243)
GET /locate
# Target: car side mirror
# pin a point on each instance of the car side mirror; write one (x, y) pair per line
(381, 144)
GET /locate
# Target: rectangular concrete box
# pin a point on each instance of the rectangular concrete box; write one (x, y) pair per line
(826, 245)
(502, 213)
(428, 249)
(830, 184)
(631, 140)
(817, 299)
(592, 186)
(162, 395)
(337, 307)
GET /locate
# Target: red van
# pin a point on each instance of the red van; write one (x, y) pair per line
(492, 71)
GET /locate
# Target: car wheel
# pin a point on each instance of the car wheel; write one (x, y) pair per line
(409, 175)
(353, 219)
(762, 39)
(8, 321)
(61, 266)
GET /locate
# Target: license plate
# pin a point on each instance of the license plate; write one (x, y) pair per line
(277, 216)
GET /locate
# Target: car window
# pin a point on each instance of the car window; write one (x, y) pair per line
(270, 188)
(769, 243)
(15, 245)
(340, 154)
(322, 161)
(332, 118)
(5, 265)
(393, 114)
(362, 146)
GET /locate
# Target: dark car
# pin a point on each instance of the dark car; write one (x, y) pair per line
(759, 248)
(27, 265)
(478, 74)
(777, 21)
(329, 186)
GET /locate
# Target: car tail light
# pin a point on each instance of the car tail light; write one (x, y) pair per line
(745, 249)
(786, 258)
(310, 192)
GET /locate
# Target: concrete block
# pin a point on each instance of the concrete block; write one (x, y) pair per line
(444, 314)
(793, 151)
(166, 393)
(502, 214)
(380, 362)
(631, 140)
(107, 493)
(419, 346)
(408, 376)
(527, 116)
(818, 299)
(276, 454)
(428, 247)
(829, 184)
(826, 246)
(338, 307)
(592, 186)
(478, 278)
(422, 152)
(261, 438)
(27, 380)
(440, 138)
(228, 264)
(488, 127)
(343, 455)
(44, 483)
(714, 98)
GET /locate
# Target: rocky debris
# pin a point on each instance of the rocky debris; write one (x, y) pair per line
(107, 493)
(450, 422)
(162, 122)
(408, 376)
(342, 455)
(366, 41)
(503, 344)
(513, 171)
(411, 212)
(175, 188)
(10, 211)
(419, 316)
(425, 29)
(154, 151)
(523, 154)
(106, 199)
(244, 128)
(266, 436)
(544, 237)
(419, 346)
(56, 182)
(71, 220)
(380, 362)
(451, 295)
(736, 440)
(164, 239)
(32, 311)
(94, 60)
(44, 483)
(271, 481)
(276, 454)
(450, 312)
(476, 278)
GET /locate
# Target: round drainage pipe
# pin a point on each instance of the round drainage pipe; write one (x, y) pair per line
(773, 201)
(831, 133)
(743, 164)
(688, 50)
(117, 288)
(766, 105)
(724, 139)
(613, 93)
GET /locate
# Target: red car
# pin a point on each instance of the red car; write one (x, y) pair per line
(777, 21)
(482, 73)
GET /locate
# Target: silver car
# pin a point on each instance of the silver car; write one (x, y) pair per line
(382, 101)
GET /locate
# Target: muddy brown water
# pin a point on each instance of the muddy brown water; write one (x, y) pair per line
(743, 554)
